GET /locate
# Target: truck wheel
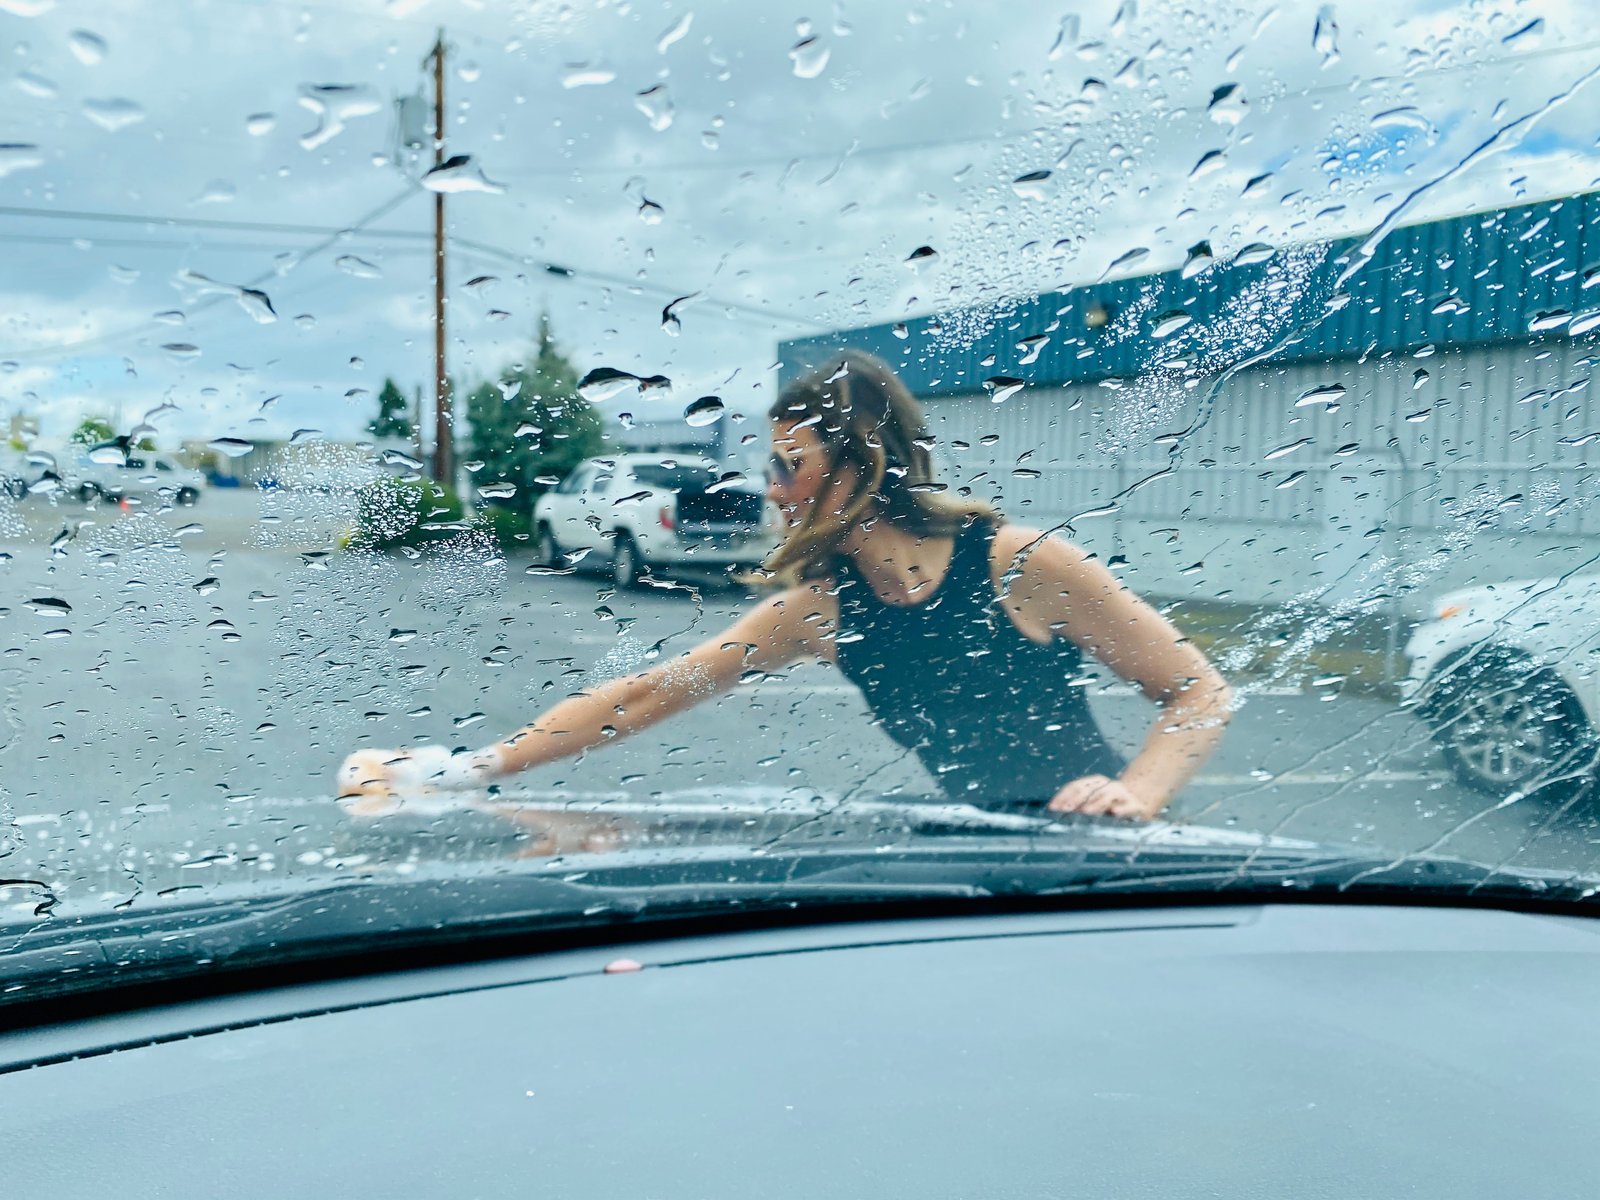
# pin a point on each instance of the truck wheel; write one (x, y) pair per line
(187, 496)
(626, 563)
(88, 493)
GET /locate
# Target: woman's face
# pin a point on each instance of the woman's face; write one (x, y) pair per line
(801, 472)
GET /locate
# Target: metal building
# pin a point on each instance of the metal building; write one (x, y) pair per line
(1352, 424)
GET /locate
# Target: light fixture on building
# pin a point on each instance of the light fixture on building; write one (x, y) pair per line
(1096, 315)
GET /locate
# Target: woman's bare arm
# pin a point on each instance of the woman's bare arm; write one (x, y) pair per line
(1051, 587)
(774, 634)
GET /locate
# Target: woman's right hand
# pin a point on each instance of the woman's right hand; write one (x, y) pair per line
(381, 775)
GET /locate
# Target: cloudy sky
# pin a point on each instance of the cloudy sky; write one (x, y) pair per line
(775, 164)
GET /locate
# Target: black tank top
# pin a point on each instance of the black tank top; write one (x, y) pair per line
(996, 718)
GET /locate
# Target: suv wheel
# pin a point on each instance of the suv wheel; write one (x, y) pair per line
(547, 548)
(1503, 728)
(626, 564)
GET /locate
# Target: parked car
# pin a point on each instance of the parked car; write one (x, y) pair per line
(1505, 676)
(22, 472)
(640, 511)
(141, 477)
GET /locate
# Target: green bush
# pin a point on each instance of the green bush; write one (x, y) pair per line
(405, 512)
(510, 525)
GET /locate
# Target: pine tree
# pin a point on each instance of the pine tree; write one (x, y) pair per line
(531, 427)
(391, 421)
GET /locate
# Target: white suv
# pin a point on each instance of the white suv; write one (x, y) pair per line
(638, 511)
(1506, 677)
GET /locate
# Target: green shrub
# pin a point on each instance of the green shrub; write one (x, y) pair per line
(510, 525)
(405, 512)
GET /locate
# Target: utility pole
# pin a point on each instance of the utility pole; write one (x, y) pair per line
(416, 421)
(443, 446)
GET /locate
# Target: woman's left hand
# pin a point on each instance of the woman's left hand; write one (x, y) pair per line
(1100, 795)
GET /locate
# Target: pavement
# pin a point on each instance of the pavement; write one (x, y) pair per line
(177, 689)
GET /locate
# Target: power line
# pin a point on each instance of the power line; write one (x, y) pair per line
(66, 214)
(312, 251)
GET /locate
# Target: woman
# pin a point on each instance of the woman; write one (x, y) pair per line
(966, 634)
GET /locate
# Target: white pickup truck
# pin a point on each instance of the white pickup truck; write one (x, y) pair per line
(640, 511)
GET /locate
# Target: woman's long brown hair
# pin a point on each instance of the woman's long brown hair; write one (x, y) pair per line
(877, 442)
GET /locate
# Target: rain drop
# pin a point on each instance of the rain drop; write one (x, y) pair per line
(1168, 323)
(232, 447)
(1126, 260)
(1324, 393)
(900, 330)
(498, 491)
(89, 48)
(1527, 34)
(922, 256)
(586, 75)
(705, 411)
(18, 156)
(1002, 387)
(1031, 186)
(603, 383)
(49, 606)
(259, 124)
(1211, 160)
(650, 212)
(459, 173)
(109, 454)
(656, 105)
(182, 349)
(810, 57)
(350, 264)
(678, 31)
(1255, 252)
(1405, 117)
(1197, 259)
(1325, 36)
(114, 114)
(35, 85)
(1227, 105)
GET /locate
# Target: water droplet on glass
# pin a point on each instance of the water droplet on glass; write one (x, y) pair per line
(208, 585)
(1325, 36)
(650, 212)
(351, 264)
(1324, 393)
(1526, 35)
(656, 105)
(1168, 323)
(18, 156)
(1211, 160)
(704, 411)
(587, 75)
(1198, 258)
(1404, 117)
(810, 57)
(1289, 449)
(1255, 252)
(728, 479)
(1584, 323)
(113, 114)
(1031, 347)
(1227, 105)
(623, 966)
(669, 316)
(678, 31)
(258, 305)
(49, 606)
(259, 124)
(182, 350)
(900, 331)
(1548, 319)
(88, 48)
(480, 283)
(922, 256)
(1002, 387)
(1293, 479)
(232, 447)
(1124, 261)
(334, 104)
(109, 454)
(459, 173)
(498, 491)
(35, 85)
(399, 458)
(1031, 186)
(469, 72)
(1066, 37)
(603, 383)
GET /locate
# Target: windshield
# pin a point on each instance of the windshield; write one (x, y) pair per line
(1120, 423)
